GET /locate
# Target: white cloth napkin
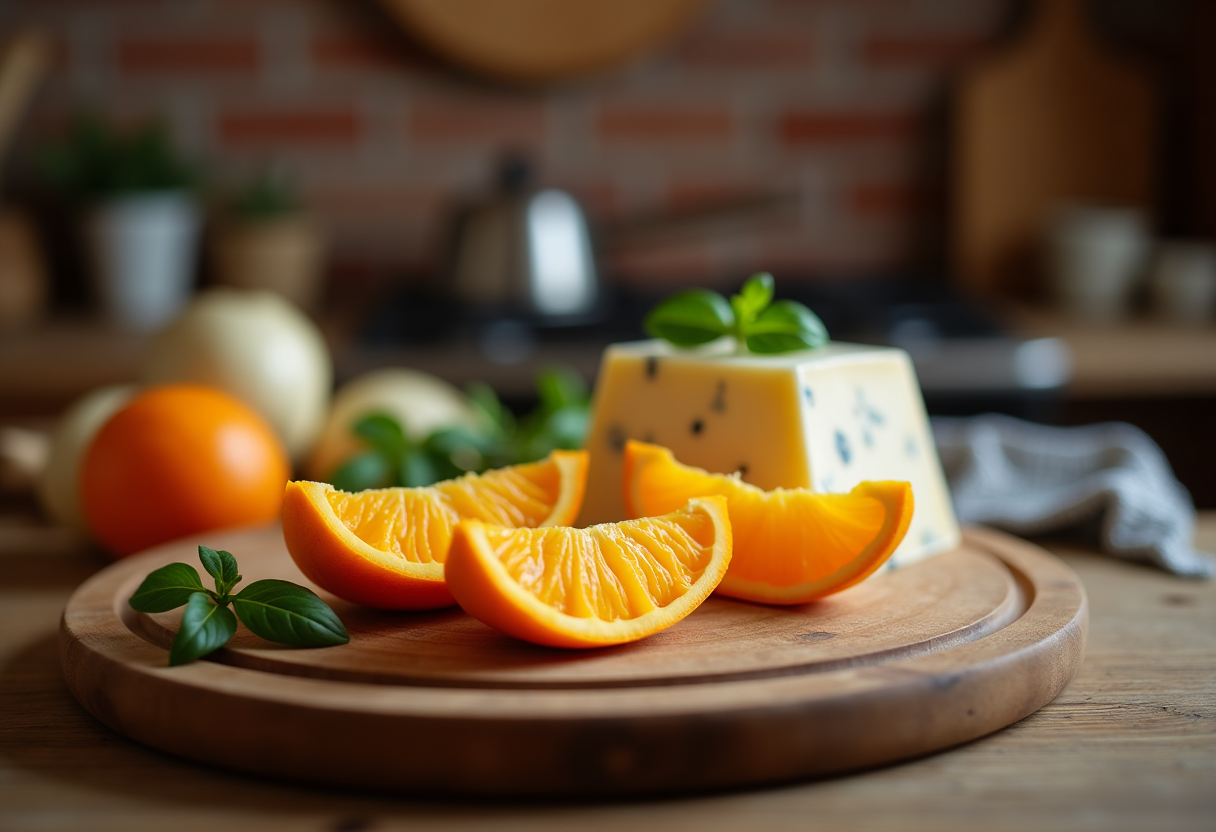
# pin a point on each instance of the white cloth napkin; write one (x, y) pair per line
(1109, 480)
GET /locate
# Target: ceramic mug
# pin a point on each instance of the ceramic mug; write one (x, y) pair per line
(1183, 282)
(1095, 256)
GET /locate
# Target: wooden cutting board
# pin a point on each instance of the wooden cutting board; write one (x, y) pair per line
(735, 695)
(1054, 118)
(541, 40)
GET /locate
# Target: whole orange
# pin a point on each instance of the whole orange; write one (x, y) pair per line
(180, 459)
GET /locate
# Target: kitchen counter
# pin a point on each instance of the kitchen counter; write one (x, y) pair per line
(1130, 744)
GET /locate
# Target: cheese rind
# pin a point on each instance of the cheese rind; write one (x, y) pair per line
(825, 419)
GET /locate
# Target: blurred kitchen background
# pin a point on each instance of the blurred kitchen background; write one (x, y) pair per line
(1022, 194)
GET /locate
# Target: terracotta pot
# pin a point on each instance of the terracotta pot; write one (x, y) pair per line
(283, 255)
(23, 279)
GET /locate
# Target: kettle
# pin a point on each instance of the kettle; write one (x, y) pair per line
(523, 253)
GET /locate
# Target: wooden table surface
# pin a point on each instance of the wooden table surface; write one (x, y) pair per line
(1131, 744)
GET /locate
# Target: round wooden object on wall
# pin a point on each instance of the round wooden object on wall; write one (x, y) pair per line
(540, 40)
(735, 695)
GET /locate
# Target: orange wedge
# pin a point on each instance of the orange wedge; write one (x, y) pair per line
(592, 587)
(791, 545)
(386, 547)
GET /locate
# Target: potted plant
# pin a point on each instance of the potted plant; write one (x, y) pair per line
(267, 240)
(141, 217)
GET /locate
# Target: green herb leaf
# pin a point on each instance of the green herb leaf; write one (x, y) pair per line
(368, 469)
(268, 195)
(206, 626)
(691, 318)
(756, 294)
(167, 588)
(417, 469)
(561, 387)
(497, 418)
(222, 566)
(383, 433)
(289, 614)
(456, 450)
(751, 317)
(784, 327)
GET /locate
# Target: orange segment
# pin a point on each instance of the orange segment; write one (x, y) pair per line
(791, 545)
(591, 587)
(386, 547)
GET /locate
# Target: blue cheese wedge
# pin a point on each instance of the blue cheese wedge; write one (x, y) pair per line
(825, 419)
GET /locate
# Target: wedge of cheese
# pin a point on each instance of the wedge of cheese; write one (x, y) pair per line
(825, 419)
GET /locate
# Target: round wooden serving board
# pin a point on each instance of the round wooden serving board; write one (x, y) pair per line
(737, 694)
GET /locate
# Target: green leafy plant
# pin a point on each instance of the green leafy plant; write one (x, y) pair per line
(278, 611)
(392, 458)
(266, 196)
(752, 318)
(94, 161)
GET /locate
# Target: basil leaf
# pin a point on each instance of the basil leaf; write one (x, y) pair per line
(697, 316)
(783, 327)
(383, 433)
(206, 626)
(416, 469)
(756, 294)
(559, 387)
(567, 428)
(456, 450)
(497, 417)
(368, 469)
(288, 614)
(167, 588)
(452, 440)
(222, 566)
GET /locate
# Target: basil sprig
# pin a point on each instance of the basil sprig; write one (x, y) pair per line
(278, 611)
(752, 318)
(391, 457)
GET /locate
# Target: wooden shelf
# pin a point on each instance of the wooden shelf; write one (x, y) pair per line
(1140, 358)
(45, 368)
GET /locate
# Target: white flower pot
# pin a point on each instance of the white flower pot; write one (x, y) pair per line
(143, 250)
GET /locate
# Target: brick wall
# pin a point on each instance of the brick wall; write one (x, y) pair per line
(834, 103)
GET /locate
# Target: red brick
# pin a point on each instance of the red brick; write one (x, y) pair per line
(290, 126)
(746, 51)
(487, 121)
(360, 52)
(689, 262)
(664, 123)
(40, 5)
(901, 50)
(599, 198)
(204, 56)
(698, 193)
(883, 199)
(834, 127)
(394, 203)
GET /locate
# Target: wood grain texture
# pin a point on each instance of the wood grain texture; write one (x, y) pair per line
(540, 40)
(1130, 745)
(1053, 118)
(736, 694)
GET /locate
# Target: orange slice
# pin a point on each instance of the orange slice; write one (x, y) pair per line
(791, 545)
(386, 547)
(591, 587)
